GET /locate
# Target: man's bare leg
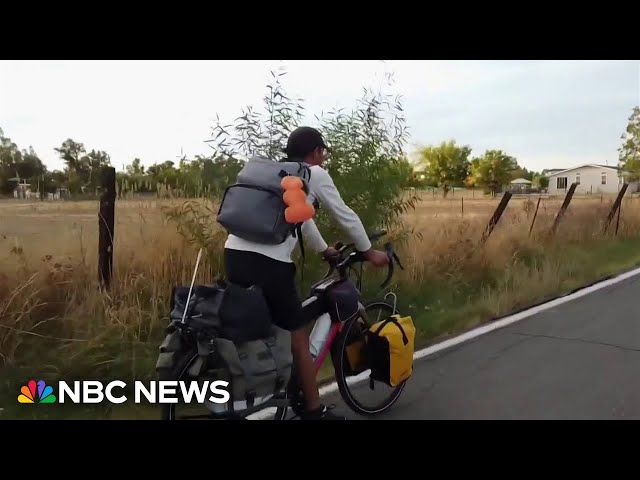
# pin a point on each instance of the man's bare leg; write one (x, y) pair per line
(305, 368)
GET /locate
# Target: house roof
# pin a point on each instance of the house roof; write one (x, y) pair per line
(520, 180)
(595, 165)
(605, 166)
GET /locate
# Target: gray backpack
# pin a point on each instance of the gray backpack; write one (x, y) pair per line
(253, 208)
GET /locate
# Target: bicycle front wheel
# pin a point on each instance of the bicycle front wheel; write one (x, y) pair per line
(377, 397)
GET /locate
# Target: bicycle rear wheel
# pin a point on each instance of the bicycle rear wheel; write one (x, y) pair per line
(193, 411)
(352, 386)
(179, 372)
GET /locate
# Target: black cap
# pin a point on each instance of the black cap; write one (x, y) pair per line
(304, 140)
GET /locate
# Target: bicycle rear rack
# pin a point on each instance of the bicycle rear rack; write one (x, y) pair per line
(395, 300)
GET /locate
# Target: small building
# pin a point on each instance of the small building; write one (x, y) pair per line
(590, 178)
(22, 190)
(520, 185)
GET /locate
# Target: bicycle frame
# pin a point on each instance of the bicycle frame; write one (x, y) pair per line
(326, 347)
(318, 289)
(334, 331)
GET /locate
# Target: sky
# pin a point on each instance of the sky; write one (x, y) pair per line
(545, 113)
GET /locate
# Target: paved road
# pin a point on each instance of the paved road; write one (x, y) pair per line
(579, 360)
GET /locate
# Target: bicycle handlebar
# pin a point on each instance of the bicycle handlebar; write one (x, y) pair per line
(342, 262)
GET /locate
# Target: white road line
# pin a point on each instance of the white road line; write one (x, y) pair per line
(476, 332)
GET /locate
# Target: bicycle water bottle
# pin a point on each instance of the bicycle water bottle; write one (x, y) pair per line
(319, 334)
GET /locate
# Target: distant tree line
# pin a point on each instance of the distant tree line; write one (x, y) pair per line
(81, 173)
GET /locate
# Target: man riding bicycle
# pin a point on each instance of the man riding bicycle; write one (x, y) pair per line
(271, 267)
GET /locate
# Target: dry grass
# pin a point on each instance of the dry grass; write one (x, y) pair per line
(53, 314)
(450, 242)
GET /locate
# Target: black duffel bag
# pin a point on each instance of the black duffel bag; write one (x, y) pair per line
(226, 310)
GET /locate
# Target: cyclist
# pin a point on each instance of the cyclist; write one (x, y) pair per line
(271, 266)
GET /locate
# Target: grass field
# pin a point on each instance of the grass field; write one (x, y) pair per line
(55, 322)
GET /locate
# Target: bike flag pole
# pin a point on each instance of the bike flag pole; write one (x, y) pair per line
(193, 281)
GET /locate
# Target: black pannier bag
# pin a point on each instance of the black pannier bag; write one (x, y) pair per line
(342, 300)
(227, 310)
(343, 303)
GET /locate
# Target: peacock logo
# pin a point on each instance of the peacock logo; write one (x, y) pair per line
(44, 393)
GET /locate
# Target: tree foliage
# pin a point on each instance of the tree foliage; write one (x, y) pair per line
(368, 161)
(83, 169)
(629, 152)
(446, 165)
(80, 176)
(541, 181)
(18, 166)
(255, 133)
(493, 170)
(522, 172)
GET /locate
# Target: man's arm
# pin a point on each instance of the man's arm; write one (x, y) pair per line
(325, 190)
(313, 236)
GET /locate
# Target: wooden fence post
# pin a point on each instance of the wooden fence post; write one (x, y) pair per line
(563, 208)
(534, 216)
(496, 216)
(616, 206)
(106, 224)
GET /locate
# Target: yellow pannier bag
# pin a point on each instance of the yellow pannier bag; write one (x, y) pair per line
(390, 347)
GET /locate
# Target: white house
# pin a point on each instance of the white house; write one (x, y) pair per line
(591, 179)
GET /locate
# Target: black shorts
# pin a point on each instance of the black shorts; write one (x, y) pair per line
(277, 280)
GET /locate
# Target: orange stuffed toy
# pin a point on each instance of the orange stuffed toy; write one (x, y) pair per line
(298, 210)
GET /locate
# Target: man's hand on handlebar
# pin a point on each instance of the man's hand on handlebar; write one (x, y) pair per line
(376, 257)
(335, 256)
(330, 253)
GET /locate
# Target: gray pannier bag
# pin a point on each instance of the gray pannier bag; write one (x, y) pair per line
(253, 208)
(256, 369)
